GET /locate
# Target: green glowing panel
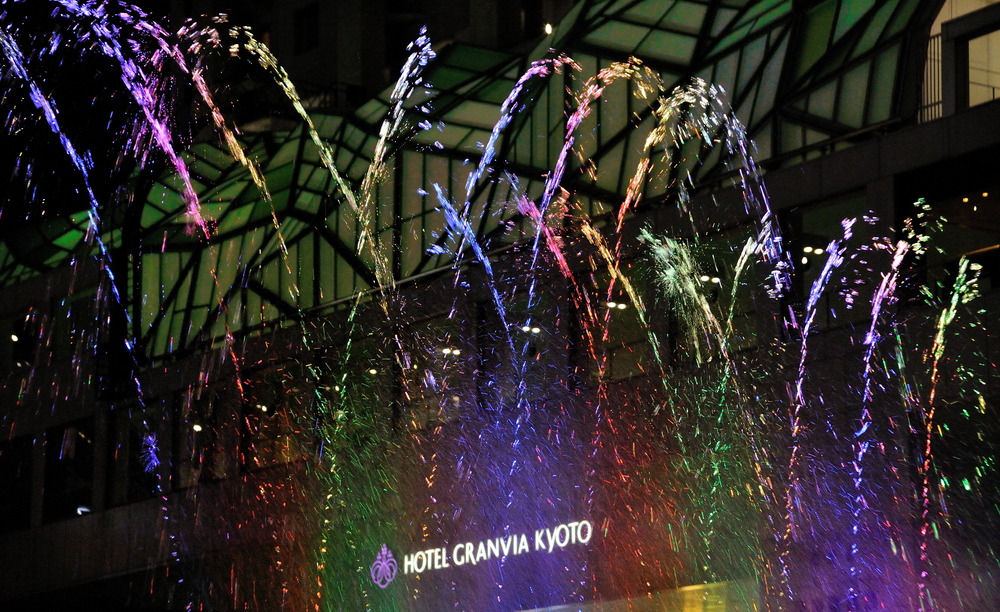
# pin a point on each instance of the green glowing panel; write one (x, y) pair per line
(753, 58)
(818, 28)
(686, 17)
(852, 99)
(667, 46)
(850, 13)
(882, 83)
(732, 38)
(821, 102)
(901, 18)
(876, 27)
(648, 13)
(618, 36)
(723, 19)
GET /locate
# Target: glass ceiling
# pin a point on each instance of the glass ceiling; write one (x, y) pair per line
(797, 76)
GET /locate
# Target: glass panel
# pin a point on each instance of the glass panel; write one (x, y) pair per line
(819, 23)
(725, 72)
(687, 16)
(476, 114)
(850, 13)
(752, 58)
(821, 101)
(759, 8)
(722, 19)
(618, 36)
(647, 12)
(852, 97)
(874, 31)
(667, 46)
(880, 105)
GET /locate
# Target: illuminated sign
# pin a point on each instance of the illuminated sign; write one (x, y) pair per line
(546, 540)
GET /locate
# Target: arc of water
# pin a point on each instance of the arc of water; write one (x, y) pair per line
(48, 109)
(882, 299)
(457, 220)
(963, 289)
(135, 83)
(835, 257)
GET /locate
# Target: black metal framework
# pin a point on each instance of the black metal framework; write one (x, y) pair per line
(803, 77)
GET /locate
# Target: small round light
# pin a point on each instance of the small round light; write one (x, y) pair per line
(704, 278)
(548, 28)
(805, 260)
(807, 249)
(446, 351)
(373, 371)
(526, 328)
(965, 200)
(622, 306)
(196, 427)
(612, 304)
(13, 337)
(716, 280)
(986, 194)
(456, 352)
(535, 330)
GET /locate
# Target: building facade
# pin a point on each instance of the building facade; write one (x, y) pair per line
(606, 305)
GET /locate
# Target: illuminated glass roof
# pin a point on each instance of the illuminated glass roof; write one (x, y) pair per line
(798, 75)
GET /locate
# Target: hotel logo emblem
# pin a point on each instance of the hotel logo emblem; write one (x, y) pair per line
(385, 568)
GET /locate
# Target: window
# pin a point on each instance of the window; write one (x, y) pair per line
(984, 68)
(18, 348)
(434, 373)
(970, 55)
(15, 481)
(205, 437)
(276, 419)
(69, 470)
(845, 295)
(132, 458)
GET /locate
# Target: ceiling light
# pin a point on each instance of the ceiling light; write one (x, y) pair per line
(548, 28)
(535, 330)
(622, 306)
(373, 371)
(13, 337)
(196, 427)
(612, 304)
